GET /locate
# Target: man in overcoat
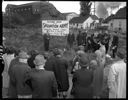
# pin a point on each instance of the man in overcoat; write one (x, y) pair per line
(46, 41)
(41, 81)
(17, 73)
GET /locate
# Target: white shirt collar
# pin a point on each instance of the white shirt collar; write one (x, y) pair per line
(40, 67)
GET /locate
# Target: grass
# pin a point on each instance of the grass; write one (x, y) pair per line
(32, 38)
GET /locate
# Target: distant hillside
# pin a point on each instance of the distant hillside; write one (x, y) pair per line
(31, 13)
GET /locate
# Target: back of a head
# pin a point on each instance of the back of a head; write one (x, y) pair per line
(84, 60)
(33, 52)
(81, 47)
(80, 53)
(56, 52)
(121, 53)
(98, 53)
(23, 55)
(39, 60)
(93, 64)
(46, 55)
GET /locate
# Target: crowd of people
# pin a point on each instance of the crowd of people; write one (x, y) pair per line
(95, 74)
(92, 42)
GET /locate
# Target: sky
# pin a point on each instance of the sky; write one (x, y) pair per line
(74, 6)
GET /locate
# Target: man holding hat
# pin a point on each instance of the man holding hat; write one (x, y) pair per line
(17, 74)
(41, 81)
(82, 80)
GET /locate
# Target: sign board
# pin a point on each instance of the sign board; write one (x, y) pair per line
(55, 27)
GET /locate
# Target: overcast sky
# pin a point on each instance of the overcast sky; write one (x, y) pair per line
(62, 6)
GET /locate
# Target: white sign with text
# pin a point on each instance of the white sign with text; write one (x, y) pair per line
(55, 27)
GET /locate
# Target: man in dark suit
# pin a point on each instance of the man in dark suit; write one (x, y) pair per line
(46, 41)
(70, 39)
(114, 45)
(105, 40)
(42, 82)
(84, 35)
(51, 61)
(17, 73)
(79, 39)
(82, 80)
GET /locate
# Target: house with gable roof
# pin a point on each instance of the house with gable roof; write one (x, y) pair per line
(77, 22)
(117, 22)
(83, 22)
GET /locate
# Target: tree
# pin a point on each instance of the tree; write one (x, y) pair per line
(85, 8)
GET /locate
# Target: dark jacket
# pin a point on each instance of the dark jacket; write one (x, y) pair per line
(46, 38)
(105, 39)
(17, 75)
(42, 83)
(50, 63)
(79, 39)
(12, 63)
(98, 81)
(82, 83)
(12, 89)
(30, 61)
(84, 35)
(115, 40)
(61, 74)
(70, 38)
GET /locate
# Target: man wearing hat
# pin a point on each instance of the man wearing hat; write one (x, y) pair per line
(117, 76)
(82, 80)
(41, 81)
(60, 70)
(17, 74)
(46, 38)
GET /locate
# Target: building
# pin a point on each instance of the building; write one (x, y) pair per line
(84, 22)
(77, 22)
(117, 22)
(33, 12)
(90, 22)
(70, 15)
